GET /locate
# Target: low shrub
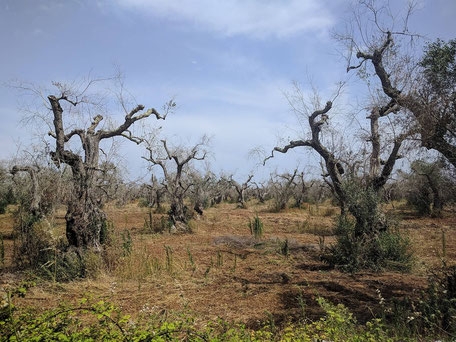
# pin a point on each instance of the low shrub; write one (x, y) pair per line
(435, 311)
(368, 239)
(98, 320)
(3, 205)
(378, 251)
(6, 199)
(420, 199)
(144, 203)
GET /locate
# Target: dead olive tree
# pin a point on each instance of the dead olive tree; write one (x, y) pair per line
(35, 191)
(366, 242)
(222, 190)
(425, 88)
(261, 191)
(152, 195)
(203, 191)
(84, 217)
(174, 163)
(283, 186)
(37, 183)
(157, 191)
(379, 171)
(301, 190)
(385, 133)
(240, 190)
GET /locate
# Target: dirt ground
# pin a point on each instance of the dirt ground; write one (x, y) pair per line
(222, 271)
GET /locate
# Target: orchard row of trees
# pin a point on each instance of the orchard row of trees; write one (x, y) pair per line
(427, 186)
(412, 103)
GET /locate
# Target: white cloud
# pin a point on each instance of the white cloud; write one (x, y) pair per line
(254, 18)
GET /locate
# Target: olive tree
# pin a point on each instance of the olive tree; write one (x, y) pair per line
(175, 163)
(424, 88)
(204, 190)
(301, 190)
(433, 102)
(6, 189)
(366, 242)
(385, 135)
(282, 188)
(35, 206)
(84, 217)
(261, 191)
(428, 187)
(240, 190)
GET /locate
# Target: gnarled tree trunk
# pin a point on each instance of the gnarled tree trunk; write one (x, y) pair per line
(84, 217)
(174, 183)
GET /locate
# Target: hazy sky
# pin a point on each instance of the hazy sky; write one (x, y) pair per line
(226, 62)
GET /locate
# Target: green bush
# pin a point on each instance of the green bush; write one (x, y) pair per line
(420, 199)
(367, 239)
(434, 313)
(156, 226)
(93, 320)
(143, 203)
(6, 199)
(3, 205)
(387, 249)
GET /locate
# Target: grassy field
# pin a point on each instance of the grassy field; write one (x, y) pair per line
(221, 271)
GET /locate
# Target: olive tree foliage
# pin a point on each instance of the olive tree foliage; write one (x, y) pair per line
(433, 102)
(428, 187)
(75, 115)
(175, 164)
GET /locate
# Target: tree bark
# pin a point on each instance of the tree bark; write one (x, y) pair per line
(84, 217)
(35, 202)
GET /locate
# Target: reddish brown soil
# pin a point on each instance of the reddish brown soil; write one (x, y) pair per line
(253, 282)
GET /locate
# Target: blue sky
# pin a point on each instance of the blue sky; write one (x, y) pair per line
(227, 63)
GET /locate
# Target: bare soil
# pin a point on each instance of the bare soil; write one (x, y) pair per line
(238, 278)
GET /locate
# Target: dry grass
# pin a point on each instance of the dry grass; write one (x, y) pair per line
(220, 272)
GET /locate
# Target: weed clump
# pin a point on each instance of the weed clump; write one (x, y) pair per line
(285, 248)
(256, 227)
